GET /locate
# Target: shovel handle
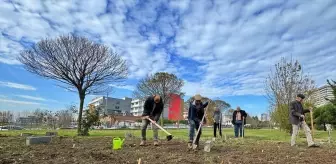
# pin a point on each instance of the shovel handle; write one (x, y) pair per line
(312, 123)
(157, 125)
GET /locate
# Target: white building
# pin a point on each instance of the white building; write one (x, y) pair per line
(320, 95)
(227, 119)
(264, 117)
(137, 107)
(111, 105)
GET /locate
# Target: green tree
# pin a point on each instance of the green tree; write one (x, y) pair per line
(91, 118)
(280, 116)
(161, 83)
(325, 114)
(332, 84)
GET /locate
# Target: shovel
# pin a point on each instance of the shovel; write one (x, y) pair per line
(169, 136)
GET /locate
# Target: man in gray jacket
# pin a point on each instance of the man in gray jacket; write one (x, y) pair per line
(297, 119)
(217, 118)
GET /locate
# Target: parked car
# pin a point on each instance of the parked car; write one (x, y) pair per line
(10, 127)
(3, 128)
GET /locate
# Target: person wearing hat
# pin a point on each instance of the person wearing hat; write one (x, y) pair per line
(195, 115)
(153, 108)
(297, 119)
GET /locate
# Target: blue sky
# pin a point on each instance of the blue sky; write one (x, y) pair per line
(221, 48)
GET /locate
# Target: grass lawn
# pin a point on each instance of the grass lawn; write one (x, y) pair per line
(256, 134)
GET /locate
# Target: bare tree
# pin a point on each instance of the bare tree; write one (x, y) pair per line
(282, 86)
(161, 83)
(222, 105)
(80, 65)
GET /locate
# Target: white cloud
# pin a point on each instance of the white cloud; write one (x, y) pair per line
(16, 86)
(9, 101)
(32, 97)
(227, 47)
(127, 87)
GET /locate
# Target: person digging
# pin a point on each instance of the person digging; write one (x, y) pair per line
(239, 120)
(297, 119)
(195, 115)
(153, 108)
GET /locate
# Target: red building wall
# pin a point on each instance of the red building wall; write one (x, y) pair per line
(175, 110)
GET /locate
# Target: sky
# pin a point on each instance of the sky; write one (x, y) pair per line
(221, 48)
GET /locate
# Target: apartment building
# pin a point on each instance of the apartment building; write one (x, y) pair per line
(111, 105)
(320, 95)
(137, 107)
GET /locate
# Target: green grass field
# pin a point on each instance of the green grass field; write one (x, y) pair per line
(260, 134)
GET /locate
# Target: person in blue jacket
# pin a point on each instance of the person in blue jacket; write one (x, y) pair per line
(195, 115)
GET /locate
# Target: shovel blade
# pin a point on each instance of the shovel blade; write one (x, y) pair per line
(170, 137)
(194, 146)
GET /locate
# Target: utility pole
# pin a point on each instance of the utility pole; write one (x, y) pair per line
(106, 101)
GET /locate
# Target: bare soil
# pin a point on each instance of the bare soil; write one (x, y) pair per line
(98, 150)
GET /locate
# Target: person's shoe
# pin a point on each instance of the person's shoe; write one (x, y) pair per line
(156, 143)
(190, 145)
(143, 143)
(313, 145)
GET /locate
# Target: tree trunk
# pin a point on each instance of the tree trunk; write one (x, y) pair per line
(81, 106)
(324, 126)
(161, 120)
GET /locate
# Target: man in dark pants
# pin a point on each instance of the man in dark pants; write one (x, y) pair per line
(217, 117)
(195, 115)
(297, 119)
(237, 120)
(153, 108)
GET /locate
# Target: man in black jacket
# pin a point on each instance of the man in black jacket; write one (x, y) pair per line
(153, 108)
(297, 119)
(195, 114)
(238, 117)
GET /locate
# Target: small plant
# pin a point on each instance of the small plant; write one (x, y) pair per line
(91, 118)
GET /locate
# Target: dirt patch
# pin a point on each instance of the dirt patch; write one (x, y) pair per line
(98, 150)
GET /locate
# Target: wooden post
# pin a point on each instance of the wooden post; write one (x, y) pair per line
(312, 123)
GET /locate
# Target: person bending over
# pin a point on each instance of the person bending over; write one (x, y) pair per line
(195, 115)
(153, 108)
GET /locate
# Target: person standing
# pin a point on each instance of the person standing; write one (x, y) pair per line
(239, 120)
(153, 108)
(195, 115)
(297, 119)
(217, 117)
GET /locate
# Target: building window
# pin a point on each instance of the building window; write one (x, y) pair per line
(118, 102)
(117, 107)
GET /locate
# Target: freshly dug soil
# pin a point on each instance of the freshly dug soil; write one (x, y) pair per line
(98, 150)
